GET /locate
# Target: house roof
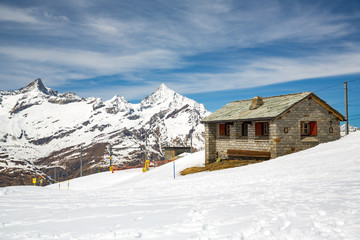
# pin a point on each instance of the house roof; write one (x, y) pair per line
(271, 108)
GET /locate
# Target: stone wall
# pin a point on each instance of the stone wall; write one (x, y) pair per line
(292, 141)
(284, 133)
(210, 142)
(217, 146)
(237, 141)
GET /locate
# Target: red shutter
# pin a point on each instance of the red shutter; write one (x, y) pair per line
(258, 129)
(222, 129)
(313, 128)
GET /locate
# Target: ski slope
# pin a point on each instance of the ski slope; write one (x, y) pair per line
(313, 194)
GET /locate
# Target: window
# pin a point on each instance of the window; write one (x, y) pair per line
(224, 129)
(308, 128)
(305, 128)
(262, 129)
(244, 128)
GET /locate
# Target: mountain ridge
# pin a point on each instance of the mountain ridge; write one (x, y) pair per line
(47, 128)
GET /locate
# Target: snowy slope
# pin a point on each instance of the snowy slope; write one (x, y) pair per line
(313, 194)
(46, 128)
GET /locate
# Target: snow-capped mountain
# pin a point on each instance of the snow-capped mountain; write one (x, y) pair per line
(351, 128)
(42, 129)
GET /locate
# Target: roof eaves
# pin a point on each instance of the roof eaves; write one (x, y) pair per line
(239, 120)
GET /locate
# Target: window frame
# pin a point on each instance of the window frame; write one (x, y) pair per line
(262, 129)
(308, 128)
(245, 129)
(224, 127)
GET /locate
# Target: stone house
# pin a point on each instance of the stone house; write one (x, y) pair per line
(264, 128)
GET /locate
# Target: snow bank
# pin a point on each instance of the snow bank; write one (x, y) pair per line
(112, 180)
(97, 181)
(313, 194)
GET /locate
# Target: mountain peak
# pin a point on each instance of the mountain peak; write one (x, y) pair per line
(164, 92)
(37, 84)
(117, 99)
(164, 88)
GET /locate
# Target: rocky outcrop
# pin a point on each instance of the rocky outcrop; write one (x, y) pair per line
(65, 98)
(38, 85)
(22, 105)
(118, 104)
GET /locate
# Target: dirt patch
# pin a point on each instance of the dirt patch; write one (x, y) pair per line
(219, 165)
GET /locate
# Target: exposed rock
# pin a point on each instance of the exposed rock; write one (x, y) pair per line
(65, 98)
(118, 104)
(100, 128)
(39, 86)
(92, 157)
(86, 123)
(175, 112)
(134, 117)
(98, 104)
(19, 106)
(48, 139)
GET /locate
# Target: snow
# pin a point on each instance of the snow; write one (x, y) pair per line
(313, 194)
(351, 129)
(97, 181)
(69, 124)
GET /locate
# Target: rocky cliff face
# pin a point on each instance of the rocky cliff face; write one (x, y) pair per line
(43, 130)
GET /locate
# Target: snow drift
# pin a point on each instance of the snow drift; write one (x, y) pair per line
(313, 194)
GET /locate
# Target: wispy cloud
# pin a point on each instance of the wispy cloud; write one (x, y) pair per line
(258, 43)
(9, 14)
(255, 73)
(56, 18)
(101, 62)
(80, 64)
(271, 70)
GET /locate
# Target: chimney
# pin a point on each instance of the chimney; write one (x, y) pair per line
(256, 103)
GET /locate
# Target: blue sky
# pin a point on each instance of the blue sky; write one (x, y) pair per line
(211, 51)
